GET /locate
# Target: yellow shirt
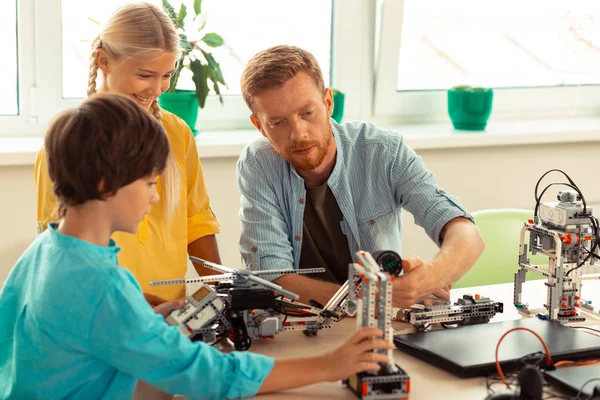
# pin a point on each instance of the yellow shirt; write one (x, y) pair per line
(156, 251)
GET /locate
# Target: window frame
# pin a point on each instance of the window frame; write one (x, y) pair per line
(363, 29)
(23, 122)
(233, 114)
(431, 106)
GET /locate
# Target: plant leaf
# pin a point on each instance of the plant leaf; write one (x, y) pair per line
(213, 40)
(215, 66)
(202, 25)
(200, 76)
(216, 87)
(198, 7)
(185, 44)
(181, 15)
(170, 12)
(175, 76)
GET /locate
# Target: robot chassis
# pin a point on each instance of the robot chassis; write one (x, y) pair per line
(561, 233)
(469, 310)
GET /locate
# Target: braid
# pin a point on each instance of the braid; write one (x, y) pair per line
(156, 110)
(96, 44)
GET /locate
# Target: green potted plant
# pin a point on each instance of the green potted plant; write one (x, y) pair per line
(196, 56)
(470, 107)
(338, 105)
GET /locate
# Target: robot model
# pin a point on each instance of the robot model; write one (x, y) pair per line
(375, 280)
(243, 306)
(469, 310)
(568, 234)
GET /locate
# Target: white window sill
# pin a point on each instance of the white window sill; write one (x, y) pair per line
(15, 150)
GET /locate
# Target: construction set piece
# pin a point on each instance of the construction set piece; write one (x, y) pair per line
(390, 382)
(469, 310)
(243, 306)
(567, 233)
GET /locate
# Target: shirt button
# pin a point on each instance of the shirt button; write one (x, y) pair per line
(254, 249)
(372, 221)
(297, 238)
(301, 201)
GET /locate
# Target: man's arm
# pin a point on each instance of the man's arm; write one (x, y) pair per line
(307, 288)
(461, 247)
(205, 248)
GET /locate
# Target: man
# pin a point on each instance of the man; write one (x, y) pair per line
(314, 192)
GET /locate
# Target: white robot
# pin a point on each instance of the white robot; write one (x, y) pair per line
(568, 234)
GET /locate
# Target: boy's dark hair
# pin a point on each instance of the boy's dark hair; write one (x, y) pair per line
(105, 143)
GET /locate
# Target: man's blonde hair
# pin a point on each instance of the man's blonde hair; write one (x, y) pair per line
(273, 67)
(134, 30)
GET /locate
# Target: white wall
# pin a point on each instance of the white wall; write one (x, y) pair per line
(489, 177)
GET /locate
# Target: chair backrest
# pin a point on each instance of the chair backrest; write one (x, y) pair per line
(500, 230)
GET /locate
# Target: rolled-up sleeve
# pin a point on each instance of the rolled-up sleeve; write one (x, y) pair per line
(264, 238)
(417, 191)
(126, 334)
(201, 220)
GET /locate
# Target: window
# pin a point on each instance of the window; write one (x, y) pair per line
(9, 100)
(428, 46)
(246, 27)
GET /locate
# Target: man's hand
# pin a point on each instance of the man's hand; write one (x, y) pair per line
(441, 293)
(418, 282)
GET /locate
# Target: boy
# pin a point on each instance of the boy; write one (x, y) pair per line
(73, 324)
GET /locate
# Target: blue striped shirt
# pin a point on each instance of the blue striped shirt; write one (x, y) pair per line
(376, 175)
(75, 325)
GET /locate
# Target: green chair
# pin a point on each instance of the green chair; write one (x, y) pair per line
(500, 230)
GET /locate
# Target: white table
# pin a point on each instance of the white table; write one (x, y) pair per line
(427, 381)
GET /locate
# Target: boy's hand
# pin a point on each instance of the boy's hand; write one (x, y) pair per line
(154, 300)
(167, 307)
(355, 355)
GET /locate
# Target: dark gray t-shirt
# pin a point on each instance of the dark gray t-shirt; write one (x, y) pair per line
(323, 243)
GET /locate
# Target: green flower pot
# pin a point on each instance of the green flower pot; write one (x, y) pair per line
(338, 106)
(182, 103)
(469, 108)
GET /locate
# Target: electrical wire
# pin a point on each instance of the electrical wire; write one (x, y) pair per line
(538, 199)
(499, 368)
(585, 327)
(533, 359)
(571, 182)
(594, 220)
(575, 363)
(583, 386)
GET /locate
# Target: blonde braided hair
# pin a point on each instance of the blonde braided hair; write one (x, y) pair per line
(156, 110)
(96, 44)
(133, 30)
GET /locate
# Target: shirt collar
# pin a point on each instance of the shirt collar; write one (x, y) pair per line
(66, 241)
(339, 154)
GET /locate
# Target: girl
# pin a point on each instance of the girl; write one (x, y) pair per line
(135, 55)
